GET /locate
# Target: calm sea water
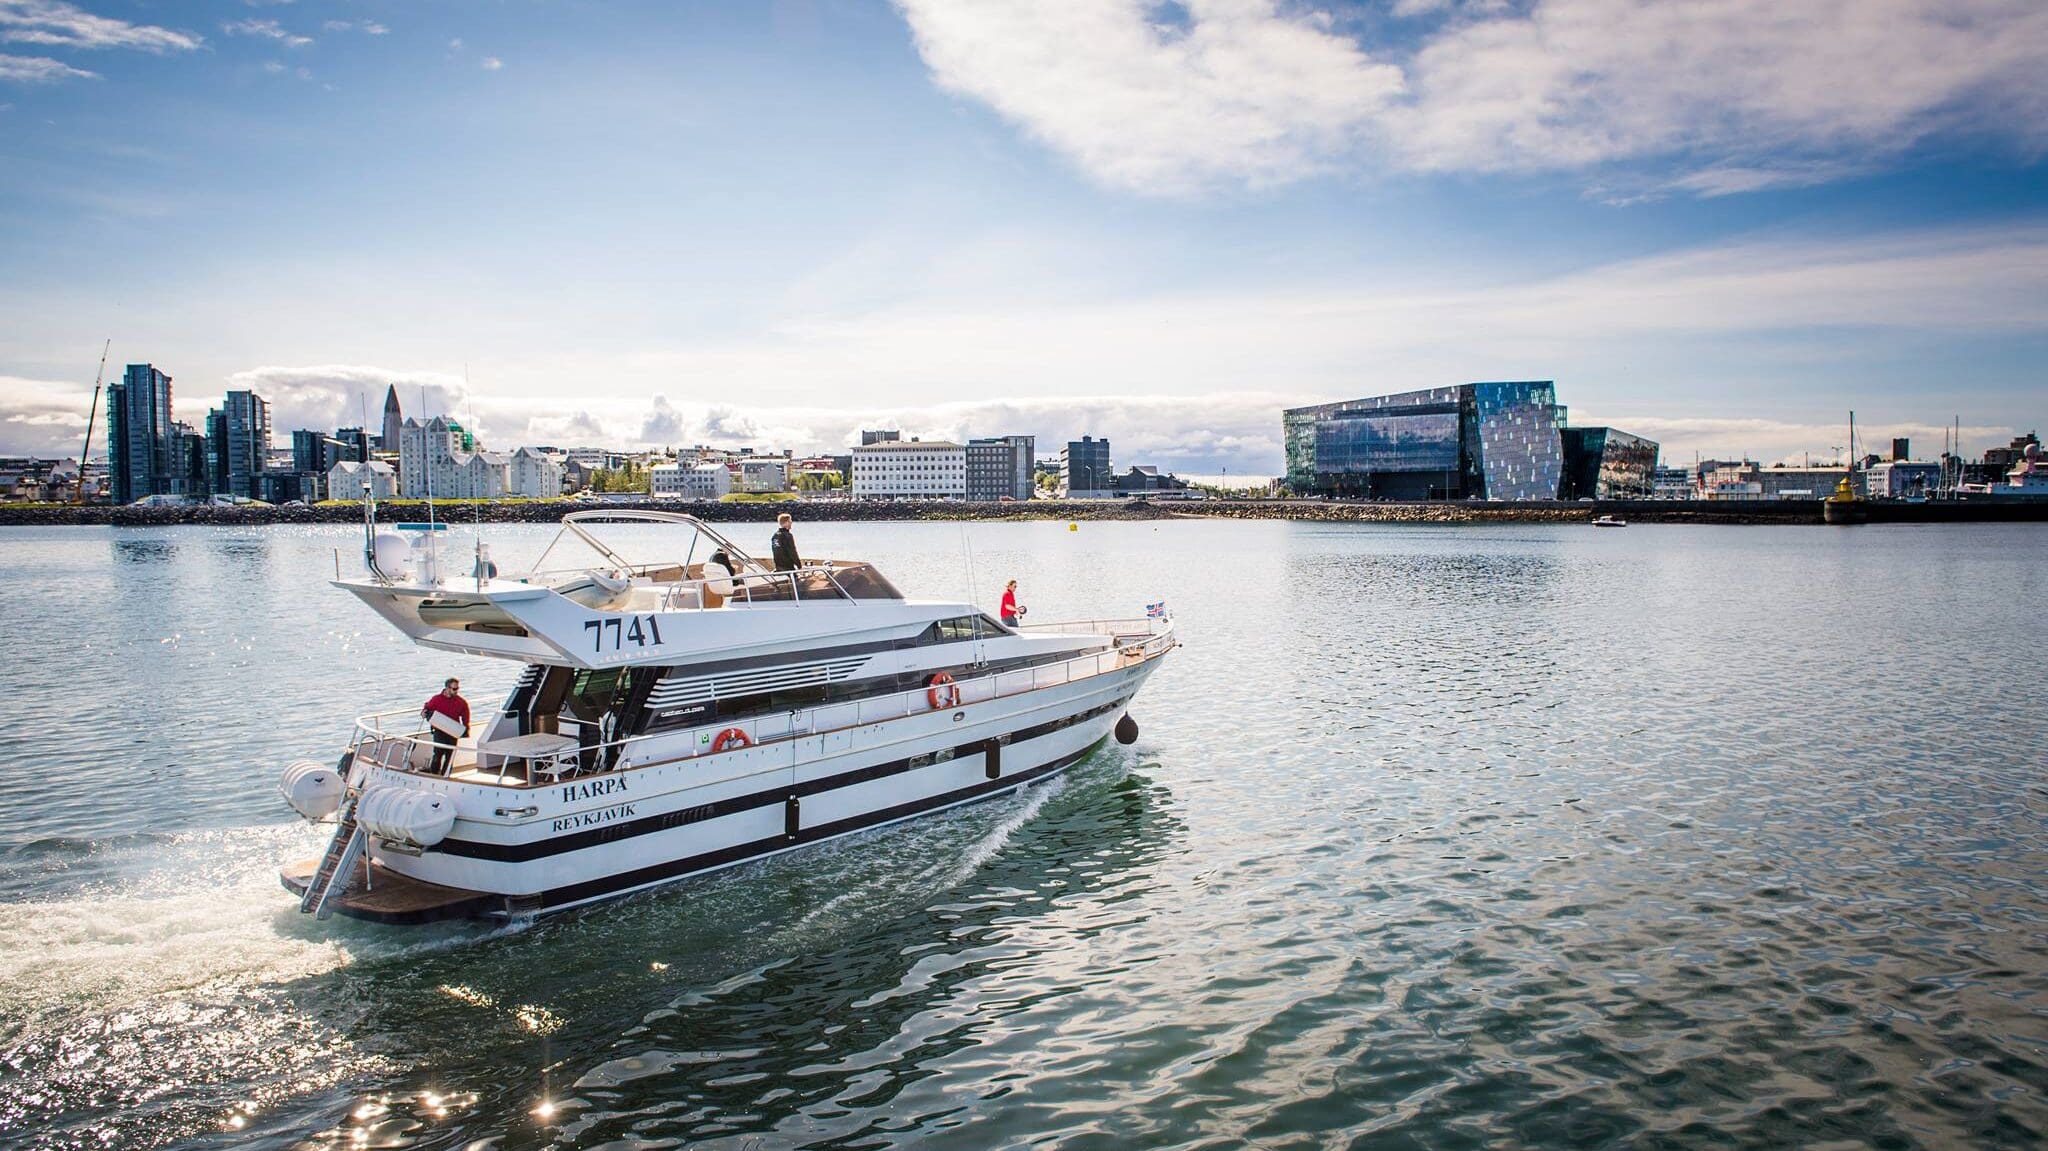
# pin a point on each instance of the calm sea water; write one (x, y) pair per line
(1444, 837)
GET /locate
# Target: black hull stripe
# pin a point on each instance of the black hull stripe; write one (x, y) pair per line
(555, 897)
(775, 796)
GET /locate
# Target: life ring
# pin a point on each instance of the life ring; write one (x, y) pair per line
(731, 737)
(942, 691)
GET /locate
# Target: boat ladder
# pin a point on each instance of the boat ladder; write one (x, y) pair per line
(331, 877)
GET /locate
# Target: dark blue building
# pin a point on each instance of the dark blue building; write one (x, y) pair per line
(1470, 441)
(1608, 464)
(141, 453)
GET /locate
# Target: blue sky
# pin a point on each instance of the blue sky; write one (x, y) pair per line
(1720, 223)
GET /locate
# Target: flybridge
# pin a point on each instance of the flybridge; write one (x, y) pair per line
(700, 593)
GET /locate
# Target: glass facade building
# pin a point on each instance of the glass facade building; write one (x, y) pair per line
(237, 442)
(1607, 464)
(141, 460)
(1472, 441)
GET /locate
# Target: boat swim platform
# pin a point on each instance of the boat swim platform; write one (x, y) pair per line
(393, 898)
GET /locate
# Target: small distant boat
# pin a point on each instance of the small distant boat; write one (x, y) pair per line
(1610, 522)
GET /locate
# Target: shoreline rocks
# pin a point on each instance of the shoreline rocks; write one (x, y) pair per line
(827, 511)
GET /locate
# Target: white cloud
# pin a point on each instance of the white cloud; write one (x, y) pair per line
(50, 22)
(1239, 93)
(492, 64)
(366, 27)
(1731, 95)
(266, 30)
(338, 395)
(39, 70)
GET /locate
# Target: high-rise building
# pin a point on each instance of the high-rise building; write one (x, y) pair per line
(999, 467)
(355, 444)
(238, 443)
(313, 451)
(188, 462)
(140, 459)
(394, 420)
(1085, 473)
(1469, 441)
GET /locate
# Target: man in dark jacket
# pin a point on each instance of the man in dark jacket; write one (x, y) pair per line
(784, 545)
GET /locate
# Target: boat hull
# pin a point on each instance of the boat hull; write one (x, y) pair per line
(519, 852)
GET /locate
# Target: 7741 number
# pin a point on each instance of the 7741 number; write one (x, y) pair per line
(639, 631)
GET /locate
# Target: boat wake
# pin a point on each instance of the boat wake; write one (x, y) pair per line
(145, 994)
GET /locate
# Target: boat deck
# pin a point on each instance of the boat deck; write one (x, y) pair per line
(394, 898)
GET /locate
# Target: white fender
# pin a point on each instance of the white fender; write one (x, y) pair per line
(403, 816)
(313, 789)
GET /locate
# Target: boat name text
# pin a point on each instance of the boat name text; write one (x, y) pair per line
(592, 788)
(593, 818)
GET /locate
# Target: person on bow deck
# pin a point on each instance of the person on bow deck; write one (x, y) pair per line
(1012, 614)
(455, 709)
(784, 545)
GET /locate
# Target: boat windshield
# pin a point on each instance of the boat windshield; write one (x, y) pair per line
(862, 581)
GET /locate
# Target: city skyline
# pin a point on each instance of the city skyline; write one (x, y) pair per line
(1159, 224)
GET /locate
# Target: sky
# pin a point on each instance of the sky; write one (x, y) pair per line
(1722, 224)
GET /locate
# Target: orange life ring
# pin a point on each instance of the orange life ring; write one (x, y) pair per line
(731, 737)
(942, 691)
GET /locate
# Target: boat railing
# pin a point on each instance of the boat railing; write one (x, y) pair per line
(848, 580)
(400, 740)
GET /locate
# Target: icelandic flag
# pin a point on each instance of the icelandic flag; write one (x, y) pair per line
(1155, 610)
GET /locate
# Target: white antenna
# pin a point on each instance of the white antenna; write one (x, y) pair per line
(967, 544)
(426, 465)
(476, 507)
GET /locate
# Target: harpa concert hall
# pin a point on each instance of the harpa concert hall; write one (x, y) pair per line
(1491, 441)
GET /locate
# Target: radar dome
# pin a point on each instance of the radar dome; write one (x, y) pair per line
(391, 551)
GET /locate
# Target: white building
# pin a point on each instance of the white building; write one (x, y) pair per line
(534, 474)
(763, 474)
(1901, 480)
(698, 482)
(927, 468)
(433, 458)
(345, 480)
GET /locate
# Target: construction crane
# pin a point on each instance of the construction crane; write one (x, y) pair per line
(92, 410)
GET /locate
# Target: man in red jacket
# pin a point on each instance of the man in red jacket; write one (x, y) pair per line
(451, 704)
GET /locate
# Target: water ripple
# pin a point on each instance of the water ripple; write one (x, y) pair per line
(1485, 837)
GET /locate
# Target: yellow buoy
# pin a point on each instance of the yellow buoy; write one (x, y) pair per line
(1073, 527)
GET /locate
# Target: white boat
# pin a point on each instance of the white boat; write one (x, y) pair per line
(685, 716)
(1610, 522)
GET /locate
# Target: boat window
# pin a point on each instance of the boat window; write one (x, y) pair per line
(593, 691)
(958, 628)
